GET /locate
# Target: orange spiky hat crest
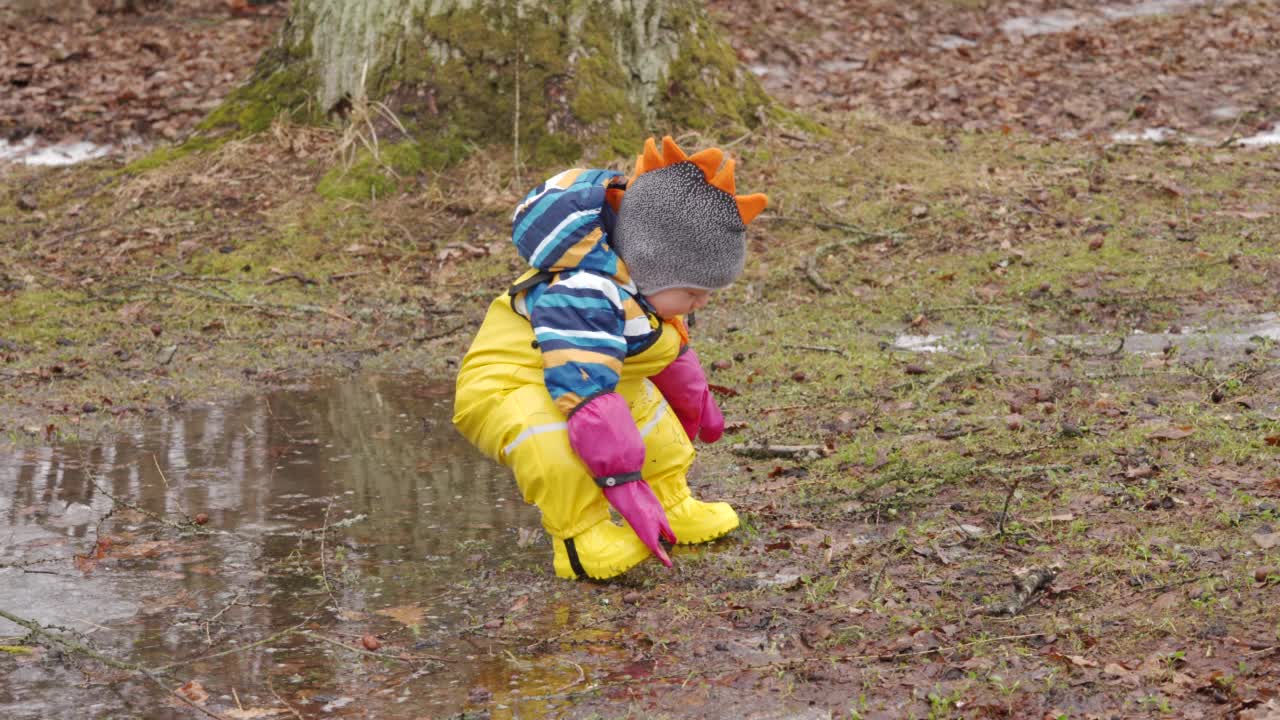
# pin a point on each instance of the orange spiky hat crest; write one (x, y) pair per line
(709, 161)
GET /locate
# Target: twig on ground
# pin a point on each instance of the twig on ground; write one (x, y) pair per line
(324, 567)
(941, 650)
(1231, 135)
(582, 675)
(281, 700)
(1027, 584)
(442, 334)
(765, 451)
(209, 637)
(302, 279)
(814, 277)
(1077, 350)
(168, 523)
(867, 235)
(982, 366)
(407, 659)
(241, 648)
(64, 643)
(344, 276)
(819, 348)
(1004, 512)
(177, 500)
(254, 305)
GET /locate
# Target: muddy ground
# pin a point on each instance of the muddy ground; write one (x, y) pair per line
(1026, 372)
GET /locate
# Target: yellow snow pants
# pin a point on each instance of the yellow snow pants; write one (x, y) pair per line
(502, 406)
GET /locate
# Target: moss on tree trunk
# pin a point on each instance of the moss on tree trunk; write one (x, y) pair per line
(560, 80)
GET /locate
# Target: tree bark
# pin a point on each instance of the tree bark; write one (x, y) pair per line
(557, 79)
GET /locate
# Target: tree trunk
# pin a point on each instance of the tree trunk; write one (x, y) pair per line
(557, 79)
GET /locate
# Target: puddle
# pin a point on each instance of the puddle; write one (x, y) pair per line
(1224, 342)
(1197, 343)
(416, 521)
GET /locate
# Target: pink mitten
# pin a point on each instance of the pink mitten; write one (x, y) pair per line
(603, 433)
(636, 503)
(684, 384)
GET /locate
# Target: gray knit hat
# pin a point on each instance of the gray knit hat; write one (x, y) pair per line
(680, 226)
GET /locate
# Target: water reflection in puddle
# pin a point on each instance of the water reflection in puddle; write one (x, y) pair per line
(415, 519)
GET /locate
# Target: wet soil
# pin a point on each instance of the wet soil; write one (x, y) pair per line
(1036, 520)
(339, 511)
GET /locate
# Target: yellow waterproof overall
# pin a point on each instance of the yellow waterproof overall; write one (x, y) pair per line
(503, 407)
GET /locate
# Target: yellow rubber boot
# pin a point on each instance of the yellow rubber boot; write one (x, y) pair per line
(694, 521)
(668, 455)
(603, 551)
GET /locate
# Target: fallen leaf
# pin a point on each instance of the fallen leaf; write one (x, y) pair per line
(526, 537)
(1077, 660)
(146, 549)
(1270, 711)
(1266, 541)
(1173, 432)
(193, 691)
(408, 615)
(250, 713)
(722, 390)
(1140, 472)
(1120, 672)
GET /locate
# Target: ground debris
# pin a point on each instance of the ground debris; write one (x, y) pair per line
(1027, 583)
(766, 450)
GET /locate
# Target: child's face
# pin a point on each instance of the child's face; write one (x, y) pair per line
(678, 301)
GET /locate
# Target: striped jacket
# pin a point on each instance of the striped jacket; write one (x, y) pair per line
(588, 318)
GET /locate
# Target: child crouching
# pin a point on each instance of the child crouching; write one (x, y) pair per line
(581, 378)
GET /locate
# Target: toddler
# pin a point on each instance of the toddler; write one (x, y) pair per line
(577, 370)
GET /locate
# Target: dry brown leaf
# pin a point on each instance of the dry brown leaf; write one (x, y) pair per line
(408, 615)
(251, 713)
(193, 691)
(1173, 432)
(1266, 541)
(518, 605)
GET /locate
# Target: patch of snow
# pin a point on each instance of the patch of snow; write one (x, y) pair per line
(919, 343)
(1045, 24)
(1270, 137)
(951, 42)
(1149, 8)
(838, 66)
(772, 71)
(1156, 134)
(29, 152)
(1058, 21)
